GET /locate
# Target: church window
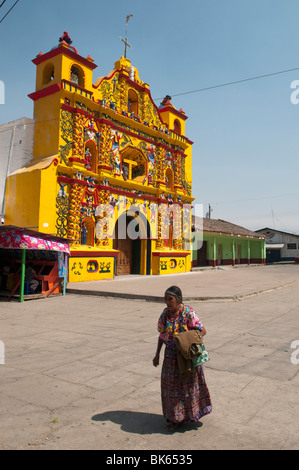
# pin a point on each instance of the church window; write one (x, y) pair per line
(136, 165)
(48, 73)
(177, 126)
(133, 102)
(77, 75)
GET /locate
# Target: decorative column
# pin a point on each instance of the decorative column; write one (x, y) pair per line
(159, 161)
(178, 169)
(78, 137)
(76, 192)
(123, 101)
(104, 146)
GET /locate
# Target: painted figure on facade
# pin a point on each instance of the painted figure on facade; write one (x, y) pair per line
(88, 156)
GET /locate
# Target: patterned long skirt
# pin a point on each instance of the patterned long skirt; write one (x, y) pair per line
(184, 399)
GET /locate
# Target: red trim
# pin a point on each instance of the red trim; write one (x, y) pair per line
(140, 137)
(64, 50)
(36, 95)
(164, 254)
(123, 130)
(112, 190)
(105, 78)
(71, 180)
(75, 159)
(53, 162)
(105, 167)
(174, 111)
(133, 84)
(94, 254)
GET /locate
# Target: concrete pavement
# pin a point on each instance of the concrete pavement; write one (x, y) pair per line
(222, 283)
(78, 368)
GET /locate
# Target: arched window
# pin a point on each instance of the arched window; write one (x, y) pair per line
(133, 102)
(135, 163)
(48, 73)
(77, 75)
(177, 126)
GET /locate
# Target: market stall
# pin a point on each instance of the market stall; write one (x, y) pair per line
(23, 249)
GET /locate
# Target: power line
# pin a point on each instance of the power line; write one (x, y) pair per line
(8, 10)
(258, 77)
(255, 198)
(2, 3)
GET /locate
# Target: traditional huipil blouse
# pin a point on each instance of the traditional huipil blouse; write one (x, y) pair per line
(185, 320)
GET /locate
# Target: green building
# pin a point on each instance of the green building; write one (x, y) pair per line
(217, 242)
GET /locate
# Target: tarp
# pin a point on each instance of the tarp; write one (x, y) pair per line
(19, 238)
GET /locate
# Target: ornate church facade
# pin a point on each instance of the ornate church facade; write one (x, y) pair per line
(111, 172)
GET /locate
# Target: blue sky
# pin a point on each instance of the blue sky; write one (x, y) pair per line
(246, 136)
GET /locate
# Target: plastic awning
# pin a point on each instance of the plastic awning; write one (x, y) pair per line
(22, 238)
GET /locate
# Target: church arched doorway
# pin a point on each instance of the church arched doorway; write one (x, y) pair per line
(133, 245)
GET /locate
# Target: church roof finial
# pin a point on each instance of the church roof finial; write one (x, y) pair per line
(65, 38)
(125, 41)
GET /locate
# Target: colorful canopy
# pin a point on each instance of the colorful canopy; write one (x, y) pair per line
(22, 238)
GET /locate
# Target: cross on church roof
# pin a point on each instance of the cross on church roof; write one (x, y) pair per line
(125, 41)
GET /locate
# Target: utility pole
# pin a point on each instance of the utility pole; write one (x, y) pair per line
(208, 214)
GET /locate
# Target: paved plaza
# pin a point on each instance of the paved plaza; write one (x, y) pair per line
(78, 373)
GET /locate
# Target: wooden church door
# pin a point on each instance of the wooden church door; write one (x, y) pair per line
(124, 257)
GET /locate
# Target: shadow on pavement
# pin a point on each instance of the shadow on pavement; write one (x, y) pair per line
(137, 422)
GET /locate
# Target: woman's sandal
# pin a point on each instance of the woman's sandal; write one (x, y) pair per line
(172, 426)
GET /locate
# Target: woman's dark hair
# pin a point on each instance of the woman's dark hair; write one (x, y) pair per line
(176, 292)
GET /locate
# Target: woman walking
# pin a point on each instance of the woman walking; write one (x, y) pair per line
(184, 398)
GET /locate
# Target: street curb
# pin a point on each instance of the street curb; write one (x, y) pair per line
(152, 298)
(120, 295)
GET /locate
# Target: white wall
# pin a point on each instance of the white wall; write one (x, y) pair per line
(283, 238)
(16, 144)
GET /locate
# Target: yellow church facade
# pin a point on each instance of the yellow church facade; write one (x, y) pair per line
(111, 172)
